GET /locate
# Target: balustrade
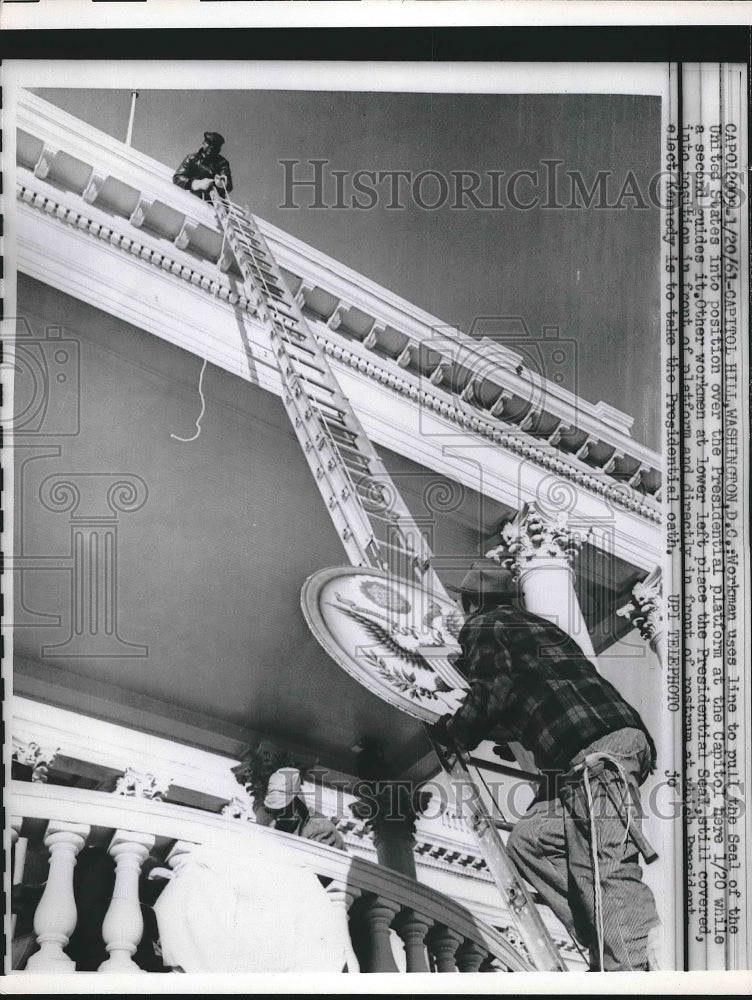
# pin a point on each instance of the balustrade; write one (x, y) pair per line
(395, 922)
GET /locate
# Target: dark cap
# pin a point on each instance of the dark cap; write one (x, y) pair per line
(487, 579)
(214, 139)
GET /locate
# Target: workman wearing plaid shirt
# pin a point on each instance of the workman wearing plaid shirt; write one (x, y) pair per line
(531, 683)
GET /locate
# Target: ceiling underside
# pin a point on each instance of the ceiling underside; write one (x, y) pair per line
(211, 563)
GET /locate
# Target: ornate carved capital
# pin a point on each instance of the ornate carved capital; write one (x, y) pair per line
(390, 807)
(32, 755)
(240, 807)
(644, 611)
(141, 784)
(533, 535)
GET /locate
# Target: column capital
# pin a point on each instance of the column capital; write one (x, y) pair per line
(390, 805)
(32, 755)
(644, 611)
(260, 760)
(142, 784)
(239, 807)
(533, 536)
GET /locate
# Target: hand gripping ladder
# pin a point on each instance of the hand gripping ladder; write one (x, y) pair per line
(371, 518)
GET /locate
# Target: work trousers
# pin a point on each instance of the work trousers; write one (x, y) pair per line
(551, 846)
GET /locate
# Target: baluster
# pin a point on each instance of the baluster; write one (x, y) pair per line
(469, 956)
(180, 853)
(19, 857)
(443, 943)
(342, 897)
(412, 928)
(123, 925)
(491, 964)
(55, 917)
(377, 915)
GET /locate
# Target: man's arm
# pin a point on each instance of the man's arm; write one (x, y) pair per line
(225, 171)
(323, 831)
(184, 174)
(490, 678)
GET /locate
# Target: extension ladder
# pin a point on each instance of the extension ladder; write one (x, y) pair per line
(372, 520)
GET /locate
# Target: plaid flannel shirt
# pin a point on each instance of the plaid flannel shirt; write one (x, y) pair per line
(531, 683)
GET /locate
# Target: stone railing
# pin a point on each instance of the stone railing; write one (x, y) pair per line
(394, 923)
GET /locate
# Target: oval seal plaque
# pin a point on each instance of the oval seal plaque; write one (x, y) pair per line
(393, 636)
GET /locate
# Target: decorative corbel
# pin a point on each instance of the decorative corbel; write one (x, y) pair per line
(584, 450)
(93, 186)
(372, 336)
(138, 215)
(531, 418)
(498, 405)
(610, 465)
(405, 356)
(335, 320)
(185, 235)
(635, 480)
(303, 288)
(44, 161)
(469, 393)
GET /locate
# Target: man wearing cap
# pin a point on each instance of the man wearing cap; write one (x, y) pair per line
(285, 809)
(200, 172)
(531, 683)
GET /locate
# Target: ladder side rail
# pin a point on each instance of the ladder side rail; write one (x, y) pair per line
(284, 320)
(543, 952)
(414, 545)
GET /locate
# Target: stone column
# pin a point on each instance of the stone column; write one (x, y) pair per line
(645, 612)
(390, 810)
(55, 917)
(389, 807)
(412, 928)
(123, 924)
(540, 548)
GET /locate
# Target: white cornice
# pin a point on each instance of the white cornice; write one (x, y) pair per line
(106, 156)
(167, 292)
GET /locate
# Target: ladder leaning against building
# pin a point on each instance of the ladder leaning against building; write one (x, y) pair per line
(372, 520)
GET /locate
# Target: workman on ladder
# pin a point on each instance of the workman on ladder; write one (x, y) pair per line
(577, 844)
(205, 170)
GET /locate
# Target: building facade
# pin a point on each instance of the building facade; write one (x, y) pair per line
(165, 521)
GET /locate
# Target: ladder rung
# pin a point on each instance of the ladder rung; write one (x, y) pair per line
(336, 423)
(284, 330)
(352, 454)
(345, 433)
(305, 346)
(284, 313)
(308, 362)
(327, 386)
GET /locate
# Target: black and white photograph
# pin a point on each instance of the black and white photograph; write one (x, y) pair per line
(375, 566)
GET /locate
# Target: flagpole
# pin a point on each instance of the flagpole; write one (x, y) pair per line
(129, 136)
